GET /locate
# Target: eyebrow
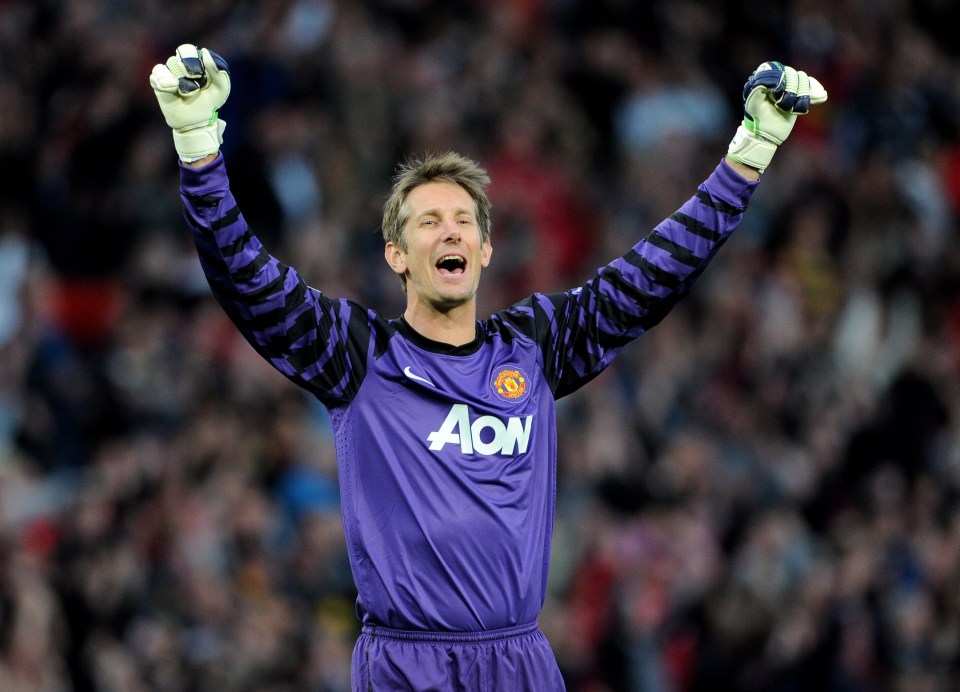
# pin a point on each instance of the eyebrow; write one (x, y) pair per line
(437, 212)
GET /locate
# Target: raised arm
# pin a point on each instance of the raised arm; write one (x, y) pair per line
(580, 331)
(318, 342)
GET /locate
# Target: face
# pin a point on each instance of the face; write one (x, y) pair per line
(444, 255)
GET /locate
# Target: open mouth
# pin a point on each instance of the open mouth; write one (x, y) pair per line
(451, 265)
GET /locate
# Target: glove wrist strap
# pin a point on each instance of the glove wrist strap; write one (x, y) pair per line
(747, 148)
(194, 144)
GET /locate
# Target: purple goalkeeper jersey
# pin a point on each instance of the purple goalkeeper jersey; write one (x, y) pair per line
(447, 455)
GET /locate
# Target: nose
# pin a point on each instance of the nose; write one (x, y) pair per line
(451, 232)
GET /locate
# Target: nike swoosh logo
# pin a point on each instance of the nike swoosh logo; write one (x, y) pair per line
(406, 371)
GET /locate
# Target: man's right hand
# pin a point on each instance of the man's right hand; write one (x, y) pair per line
(191, 88)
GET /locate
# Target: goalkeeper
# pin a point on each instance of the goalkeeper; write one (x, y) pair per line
(445, 423)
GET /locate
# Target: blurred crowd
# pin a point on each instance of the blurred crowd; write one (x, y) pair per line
(762, 494)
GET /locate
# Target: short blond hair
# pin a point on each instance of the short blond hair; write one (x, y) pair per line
(449, 167)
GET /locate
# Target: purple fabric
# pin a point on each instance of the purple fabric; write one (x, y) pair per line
(517, 660)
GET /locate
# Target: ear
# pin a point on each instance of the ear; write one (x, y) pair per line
(486, 252)
(396, 258)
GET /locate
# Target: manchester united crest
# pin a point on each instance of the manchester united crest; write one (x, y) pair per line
(510, 384)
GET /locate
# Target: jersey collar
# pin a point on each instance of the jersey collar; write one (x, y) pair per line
(439, 347)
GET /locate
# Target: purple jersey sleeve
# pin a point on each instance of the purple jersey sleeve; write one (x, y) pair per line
(319, 343)
(581, 330)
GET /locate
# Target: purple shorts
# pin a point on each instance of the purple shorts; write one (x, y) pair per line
(507, 660)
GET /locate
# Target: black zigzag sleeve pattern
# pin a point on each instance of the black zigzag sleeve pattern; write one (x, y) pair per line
(580, 331)
(319, 343)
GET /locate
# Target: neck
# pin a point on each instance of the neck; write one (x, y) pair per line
(457, 326)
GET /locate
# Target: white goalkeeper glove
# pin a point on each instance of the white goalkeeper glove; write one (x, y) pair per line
(191, 87)
(773, 97)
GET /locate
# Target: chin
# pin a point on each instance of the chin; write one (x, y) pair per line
(448, 304)
(445, 303)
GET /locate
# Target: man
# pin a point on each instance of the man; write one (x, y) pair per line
(445, 424)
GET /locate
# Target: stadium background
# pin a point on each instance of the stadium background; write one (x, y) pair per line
(762, 493)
